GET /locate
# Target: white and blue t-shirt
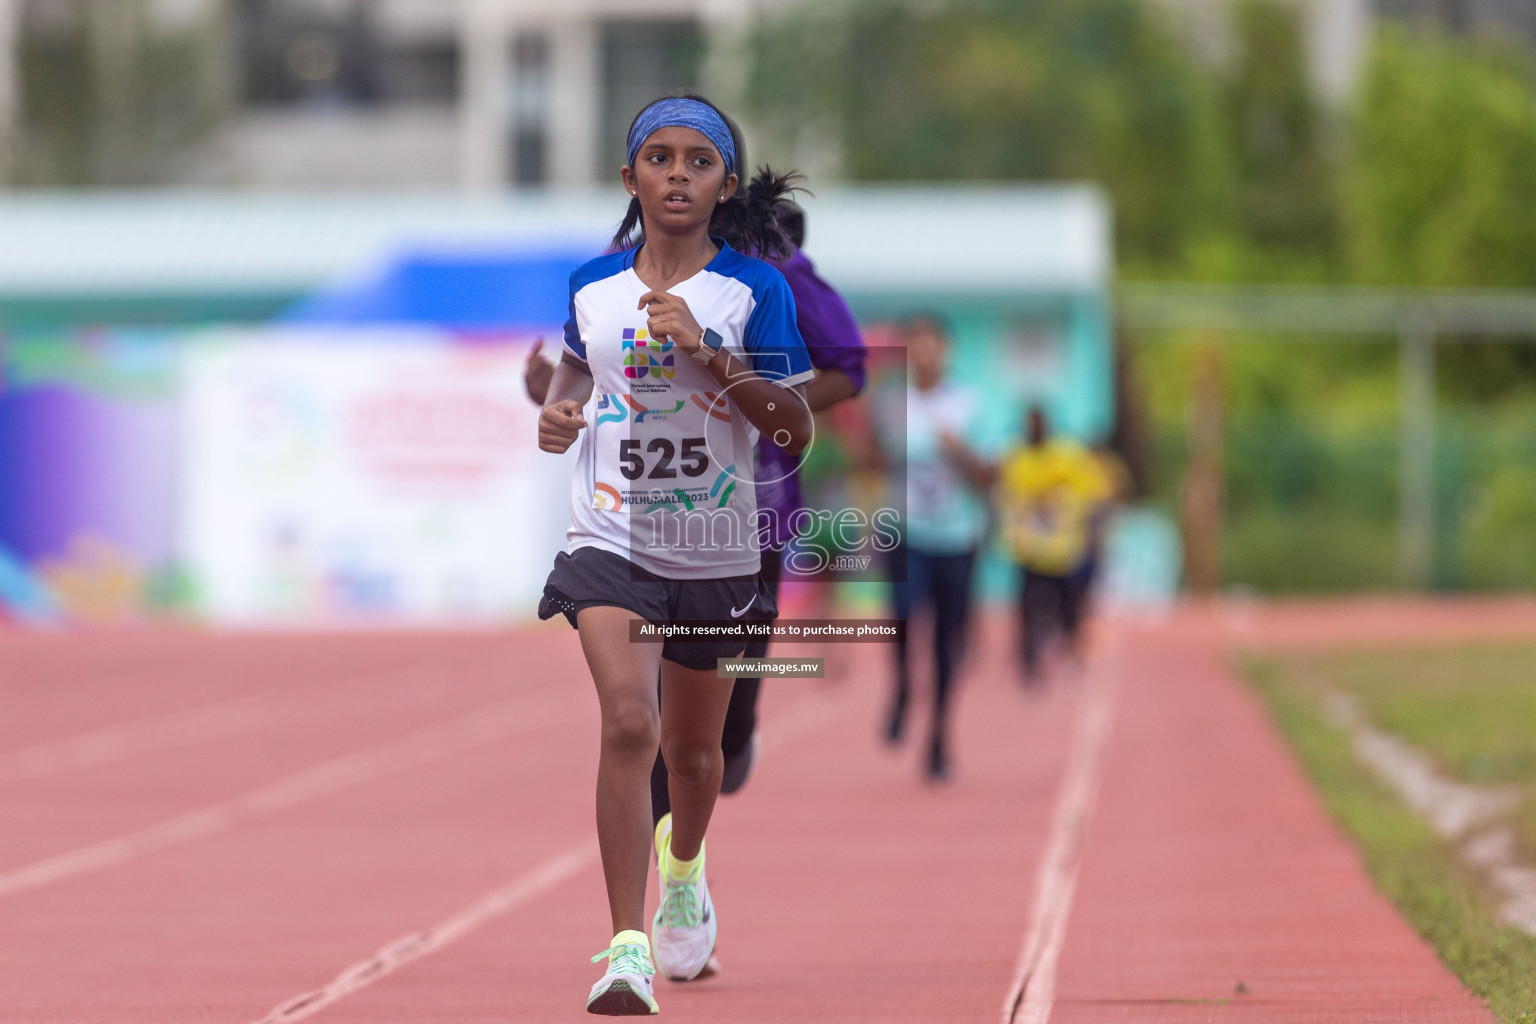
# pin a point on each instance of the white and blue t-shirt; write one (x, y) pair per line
(665, 469)
(944, 514)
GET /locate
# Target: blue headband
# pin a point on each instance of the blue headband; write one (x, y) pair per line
(684, 113)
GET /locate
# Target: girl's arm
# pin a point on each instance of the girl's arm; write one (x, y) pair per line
(769, 407)
(977, 471)
(784, 420)
(537, 373)
(561, 420)
(829, 388)
(831, 335)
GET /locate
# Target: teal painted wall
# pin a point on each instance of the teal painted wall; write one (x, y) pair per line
(1049, 349)
(1055, 350)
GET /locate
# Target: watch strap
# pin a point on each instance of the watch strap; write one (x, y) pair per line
(709, 344)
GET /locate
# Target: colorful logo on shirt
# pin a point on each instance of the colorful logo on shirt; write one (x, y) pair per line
(726, 474)
(607, 498)
(610, 409)
(617, 408)
(645, 356)
(660, 413)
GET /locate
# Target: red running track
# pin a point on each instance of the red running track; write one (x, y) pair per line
(398, 828)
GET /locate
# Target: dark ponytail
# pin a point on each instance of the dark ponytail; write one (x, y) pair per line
(751, 220)
(625, 236)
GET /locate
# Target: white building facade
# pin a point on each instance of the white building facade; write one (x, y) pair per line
(474, 94)
(481, 94)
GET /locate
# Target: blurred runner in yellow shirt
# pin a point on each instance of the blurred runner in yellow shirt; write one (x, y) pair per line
(1049, 493)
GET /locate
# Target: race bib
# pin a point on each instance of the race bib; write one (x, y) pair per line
(659, 455)
(931, 488)
(1043, 518)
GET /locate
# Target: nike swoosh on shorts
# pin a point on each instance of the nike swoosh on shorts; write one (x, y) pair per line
(738, 614)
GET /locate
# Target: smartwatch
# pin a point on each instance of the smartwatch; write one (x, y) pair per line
(709, 344)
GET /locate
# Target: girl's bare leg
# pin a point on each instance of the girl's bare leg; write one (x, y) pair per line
(693, 706)
(625, 675)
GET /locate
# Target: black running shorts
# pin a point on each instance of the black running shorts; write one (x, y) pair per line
(591, 576)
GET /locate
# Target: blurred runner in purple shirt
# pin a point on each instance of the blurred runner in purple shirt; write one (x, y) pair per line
(836, 350)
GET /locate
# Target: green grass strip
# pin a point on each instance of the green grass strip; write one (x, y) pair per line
(1446, 902)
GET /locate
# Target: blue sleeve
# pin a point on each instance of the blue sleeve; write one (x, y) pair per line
(573, 343)
(772, 339)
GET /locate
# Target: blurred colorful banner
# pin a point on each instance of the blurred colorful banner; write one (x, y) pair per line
(319, 476)
(362, 474)
(87, 471)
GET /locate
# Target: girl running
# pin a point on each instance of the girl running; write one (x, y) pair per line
(678, 352)
(837, 353)
(946, 523)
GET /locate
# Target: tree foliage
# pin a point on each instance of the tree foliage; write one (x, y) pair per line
(1440, 189)
(109, 97)
(1218, 170)
(989, 90)
(1225, 170)
(1213, 171)
(1441, 185)
(1278, 137)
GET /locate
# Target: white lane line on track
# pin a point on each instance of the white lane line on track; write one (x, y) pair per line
(805, 716)
(220, 720)
(1033, 994)
(418, 944)
(481, 726)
